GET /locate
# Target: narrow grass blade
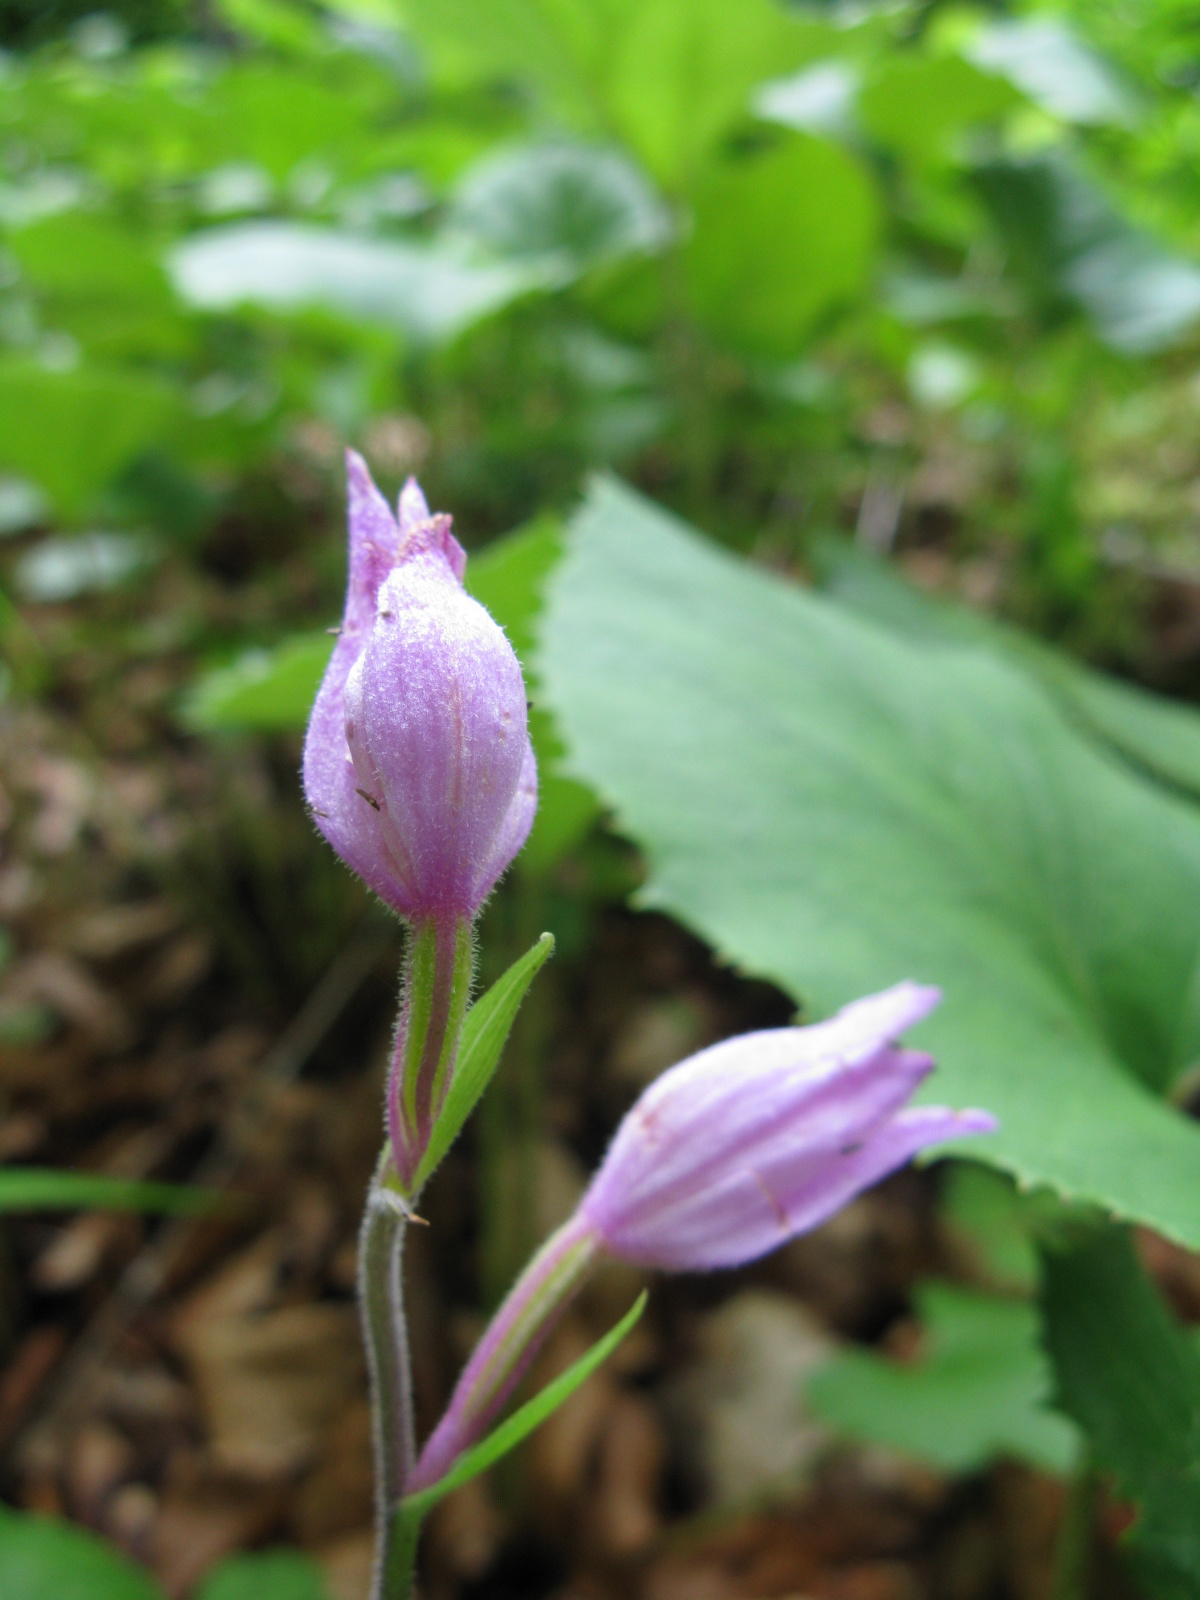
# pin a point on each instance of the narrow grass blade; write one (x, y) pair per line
(47, 1189)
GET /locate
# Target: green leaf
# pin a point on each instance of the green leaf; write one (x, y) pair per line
(669, 77)
(413, 1510)
(836, 806)
(1130, 1377)
(71, 432)
(430, 291)
(265, 689)
(916, 103)
(1160, 736)
(1071, 246)
(681, 73)
(574, 205)
(484, 1035)
(978, 1390)
(508, 577)
(47, 1189)
(269, 1575)
(765, 259)
(43, 1558)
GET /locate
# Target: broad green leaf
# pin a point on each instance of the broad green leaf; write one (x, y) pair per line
(508, 578)
(573, 205)
(1130, 1377)
(48, 1189)
(977, 1390)
(681, 73)
(71, 432)
(43, 1558)
(983, 1211)
(266, 689)
(670, 77)
(484, 1035)
(1160, 736)
(430, 291)
(268, 1575)
(916, 103)
(765, 260)
(413, 1510)
(836, 806)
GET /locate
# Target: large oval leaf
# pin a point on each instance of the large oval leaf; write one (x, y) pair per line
(767, 258)
(837, 806)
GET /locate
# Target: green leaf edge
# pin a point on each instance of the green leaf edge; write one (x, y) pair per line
(47, 1188)
(412, 1510)
(485, 1033)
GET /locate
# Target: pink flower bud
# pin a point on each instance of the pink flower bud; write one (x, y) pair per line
(739, 1148)
(726, 1156)
(417, 764)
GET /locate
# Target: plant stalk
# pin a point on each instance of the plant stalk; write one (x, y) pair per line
(385, 1334)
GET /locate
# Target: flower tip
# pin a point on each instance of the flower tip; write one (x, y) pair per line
(975, 1121)
(413, 506)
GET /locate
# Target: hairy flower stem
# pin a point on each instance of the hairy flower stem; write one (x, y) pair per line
(502, 1356)
(438, 968)
(385, 1333)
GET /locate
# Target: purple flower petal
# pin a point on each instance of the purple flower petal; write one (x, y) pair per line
(754, 1140)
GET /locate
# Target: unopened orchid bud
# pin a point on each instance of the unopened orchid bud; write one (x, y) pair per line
(419, 772)
(752, 1141)
(726, 1156)
(417, 764)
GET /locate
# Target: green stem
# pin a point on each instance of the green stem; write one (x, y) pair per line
(385, 1333)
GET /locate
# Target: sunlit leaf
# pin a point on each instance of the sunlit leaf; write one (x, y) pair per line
(71, 432)
(567, 203)
(430, 291)
(917, 103)
(268, 689)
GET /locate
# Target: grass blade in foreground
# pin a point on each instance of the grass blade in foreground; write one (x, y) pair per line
(46, 1189)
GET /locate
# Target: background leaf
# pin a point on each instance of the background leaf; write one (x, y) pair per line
(1130, 1376)
(42, 1558)
(271, 1575)
(978, 1388)
(761, 268)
